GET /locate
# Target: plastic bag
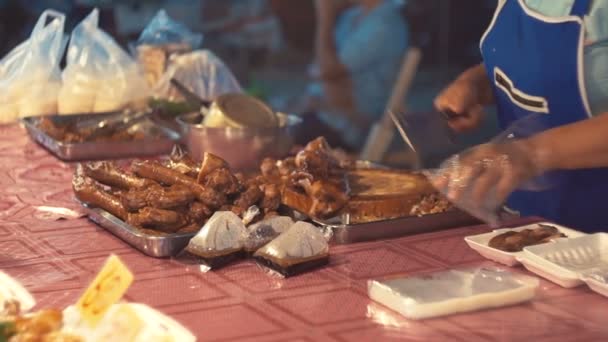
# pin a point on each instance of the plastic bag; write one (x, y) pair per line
(160, 39)
(99, 76)
(458, 177)
(200, 71)
(29, 75)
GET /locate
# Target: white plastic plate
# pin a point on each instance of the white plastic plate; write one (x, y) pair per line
(480, 242)
(453, 291)
(571, 262)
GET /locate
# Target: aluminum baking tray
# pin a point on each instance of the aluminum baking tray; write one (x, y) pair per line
(159, 140)
(344, 233)
(158, 246)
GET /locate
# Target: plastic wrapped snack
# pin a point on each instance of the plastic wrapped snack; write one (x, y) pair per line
(301, 248)
(99, 75)
(29, 75)
(265, 231)
(453, 291)
(200, 71)
(160, 39)
(14, 298)
(220, 241)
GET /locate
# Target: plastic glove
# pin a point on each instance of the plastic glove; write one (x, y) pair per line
(480, 180)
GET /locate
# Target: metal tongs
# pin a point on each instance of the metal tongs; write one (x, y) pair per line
(116, 122)
(190, 96)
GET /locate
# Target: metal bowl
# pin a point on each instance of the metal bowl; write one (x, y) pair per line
(243, 148)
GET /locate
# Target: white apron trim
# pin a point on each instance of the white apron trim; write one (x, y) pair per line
(512, 91)
(552, 20)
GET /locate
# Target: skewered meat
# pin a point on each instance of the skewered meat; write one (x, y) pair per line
(164, 220)
(109, 174)
(90, 193)
(210, 163)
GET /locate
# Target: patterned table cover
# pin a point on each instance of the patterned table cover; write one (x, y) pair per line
(56, 259)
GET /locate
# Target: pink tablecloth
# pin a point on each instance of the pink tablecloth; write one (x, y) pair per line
(56, 260)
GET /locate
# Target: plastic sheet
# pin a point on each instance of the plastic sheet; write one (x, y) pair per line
(453, 291)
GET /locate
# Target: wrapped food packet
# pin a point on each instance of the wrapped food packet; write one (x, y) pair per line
(202, 72)
(29, 75)
(507, 155)
(99, 75)
(300, 248)
(160, 39)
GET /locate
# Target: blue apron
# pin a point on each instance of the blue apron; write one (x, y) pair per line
(535, 64)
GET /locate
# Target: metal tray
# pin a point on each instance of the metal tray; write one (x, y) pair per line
(152, 245)
(159, 140)
(393, 228)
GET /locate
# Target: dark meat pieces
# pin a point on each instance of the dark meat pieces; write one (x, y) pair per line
(249, 197)
(167, 221)
(269, 169)
(109, 174)
(272, 197)
(90, 193)
(158, 197)
(222, 180)
(198, 212)
(513, 241)
(210, 163)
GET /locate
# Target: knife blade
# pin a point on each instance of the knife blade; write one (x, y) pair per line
(397, 120)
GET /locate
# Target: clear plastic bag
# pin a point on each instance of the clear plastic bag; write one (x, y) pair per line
(507, 155)
(29, 75)
(200, 71)
(159, 40)
(100, 76)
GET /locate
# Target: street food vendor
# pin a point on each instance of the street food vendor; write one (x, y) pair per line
(544, 59)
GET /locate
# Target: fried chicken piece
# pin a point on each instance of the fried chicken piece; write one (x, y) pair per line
(327, 198)
(316, 163)
(210, 163)
(269, 168)
(198, 212)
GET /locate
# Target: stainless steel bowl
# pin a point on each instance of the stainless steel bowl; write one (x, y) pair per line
(243, 148)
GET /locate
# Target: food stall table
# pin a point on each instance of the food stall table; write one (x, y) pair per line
(55, 254)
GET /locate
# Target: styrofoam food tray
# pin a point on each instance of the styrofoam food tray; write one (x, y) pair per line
(480, 242)
(453, 291)
(572, 262)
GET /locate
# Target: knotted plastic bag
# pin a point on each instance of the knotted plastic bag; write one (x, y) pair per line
(100, 76)
(29, 75)
(200, 71)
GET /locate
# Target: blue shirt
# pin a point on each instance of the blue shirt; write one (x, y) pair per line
(372, 48)
(596, 47)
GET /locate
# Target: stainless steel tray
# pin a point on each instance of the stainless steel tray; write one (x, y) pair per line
(393, 228)
(159, 140)
(152, 245)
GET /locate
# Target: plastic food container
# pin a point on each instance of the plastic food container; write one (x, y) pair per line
(572, 262)
(480, 243)
(453, 291)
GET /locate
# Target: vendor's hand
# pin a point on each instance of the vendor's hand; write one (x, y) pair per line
(461, 98)
(483, 177)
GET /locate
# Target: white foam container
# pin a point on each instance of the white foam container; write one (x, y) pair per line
(571, 262)
(10, 289)
(480, 242)
(453, 291)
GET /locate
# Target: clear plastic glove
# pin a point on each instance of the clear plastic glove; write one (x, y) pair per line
(481, 179)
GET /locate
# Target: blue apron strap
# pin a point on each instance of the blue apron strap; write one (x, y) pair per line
(580, 8)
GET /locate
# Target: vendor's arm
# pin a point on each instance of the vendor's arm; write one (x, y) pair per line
(467, 96)
(579, 145)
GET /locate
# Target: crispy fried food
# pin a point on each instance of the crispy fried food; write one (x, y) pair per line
(198, 212)
(249, 197)
(210, 163)
(272, 197)
(222, 180)
(90, 193)
(168, 221)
